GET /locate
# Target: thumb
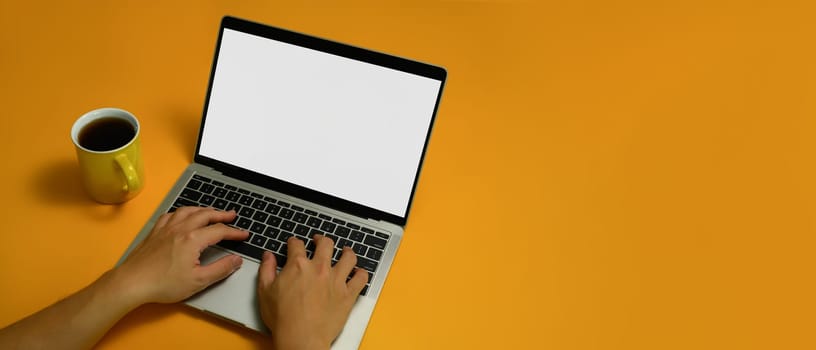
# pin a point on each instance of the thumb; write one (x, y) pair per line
(267, 271)
(219, 269)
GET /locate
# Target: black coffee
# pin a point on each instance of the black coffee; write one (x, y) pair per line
(105, 134)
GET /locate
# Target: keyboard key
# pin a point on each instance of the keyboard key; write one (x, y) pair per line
(207, 188)
(279, 258)
(273, 209)
(311, 212)
(376, 242)
(172, 209)
(382, 235)
(354, 226)
(272, 245)
(314, 222)
(287, 225)
(367, 230)
(271, 232)
(247, 211)
(366, 263)
(243, 248)
(233, 206)
(190, 194)
(218, 183)
(243, 191)
(220, 204)
(259, 204)
(284, 236)
(343, 243)
(328, 226)
(314, 232)
(270, 199)
(325, 217)
(338, 221)
(244, 223)
(274, 221)
(374, 254)
(359, 249)
(286, 213)
(260, 216)
(300, 218)
(357, 236)
(207, 199)
(220, 192)
(182, 202)
(258, 240)
(258, 227)
(245, 200)
(233, 196)
(231, 187)
(297, 208)
(343, 231)
(194, 184)
(283, 204)
(365, 290)
(337, 254)
(201, 178)
(256, 195)
(302, 230)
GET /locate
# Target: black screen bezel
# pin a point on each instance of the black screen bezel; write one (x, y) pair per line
(335, 48)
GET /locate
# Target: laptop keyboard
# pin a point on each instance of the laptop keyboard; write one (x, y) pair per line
(271, 222)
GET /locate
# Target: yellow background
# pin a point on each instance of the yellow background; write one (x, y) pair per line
(602, 174)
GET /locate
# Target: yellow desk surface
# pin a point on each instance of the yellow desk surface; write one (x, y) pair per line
(602, 174)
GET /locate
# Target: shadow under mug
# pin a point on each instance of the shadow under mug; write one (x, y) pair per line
(114, 175)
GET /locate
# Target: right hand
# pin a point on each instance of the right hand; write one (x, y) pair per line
(307, 304)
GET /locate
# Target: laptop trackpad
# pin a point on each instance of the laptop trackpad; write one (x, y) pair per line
(236, 299)
(233, 298)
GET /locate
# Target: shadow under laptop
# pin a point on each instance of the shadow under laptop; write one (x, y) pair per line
(58, 183)
(151, 313)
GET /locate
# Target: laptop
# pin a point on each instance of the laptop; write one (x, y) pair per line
(301, 136)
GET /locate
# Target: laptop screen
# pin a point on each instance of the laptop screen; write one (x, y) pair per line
(343, 127)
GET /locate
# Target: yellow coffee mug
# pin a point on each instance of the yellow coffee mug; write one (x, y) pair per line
(107, 147)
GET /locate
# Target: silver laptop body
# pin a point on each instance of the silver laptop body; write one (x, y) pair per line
(320, 126)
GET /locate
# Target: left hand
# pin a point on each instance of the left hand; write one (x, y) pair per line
(165, 267)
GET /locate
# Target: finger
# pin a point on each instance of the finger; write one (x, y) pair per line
(204, 217)
(213, 234)
(358, 281)
(218, 270)
(162, 221)
(347, 261)
(267, 271)
(182, 213)
(295, 248)
(324, 249)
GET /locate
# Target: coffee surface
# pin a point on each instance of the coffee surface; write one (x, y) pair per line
(106, 134)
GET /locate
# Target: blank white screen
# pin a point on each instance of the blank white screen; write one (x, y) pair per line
(339, 126)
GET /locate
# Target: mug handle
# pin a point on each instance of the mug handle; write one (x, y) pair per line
(131, 177)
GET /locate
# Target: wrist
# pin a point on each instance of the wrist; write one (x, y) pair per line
(306, 343)
(116, 286)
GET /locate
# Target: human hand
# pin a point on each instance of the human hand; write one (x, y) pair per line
(165, 267)
(307, 304)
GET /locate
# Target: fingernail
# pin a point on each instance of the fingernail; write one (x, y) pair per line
(237, 262)
(266, 256)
